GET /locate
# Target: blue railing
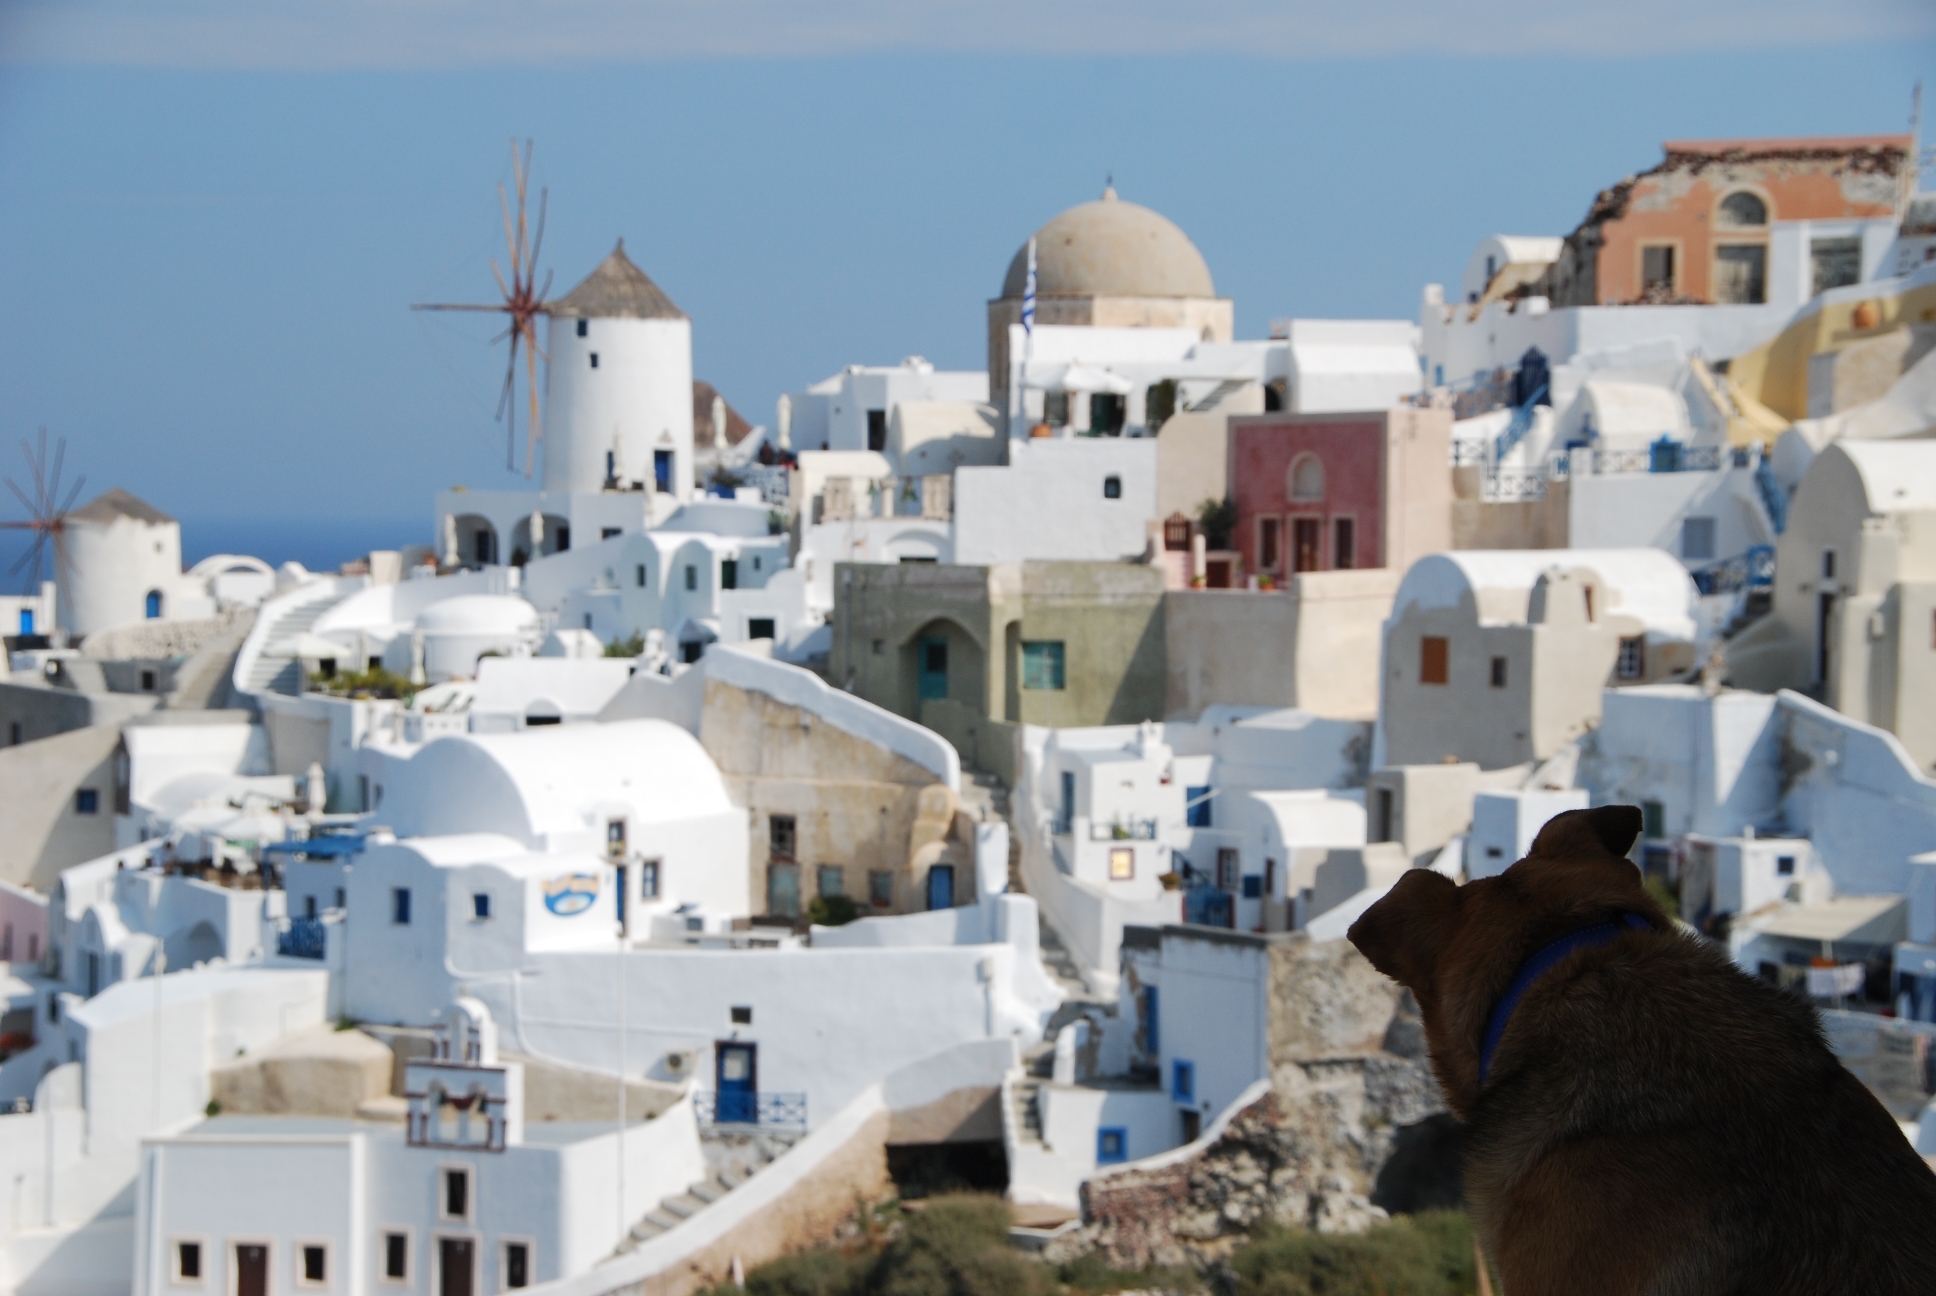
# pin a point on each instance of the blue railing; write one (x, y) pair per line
(745, 1107)
(1772, 497)
(1521, 424)
(1753, 569)
(303, 938)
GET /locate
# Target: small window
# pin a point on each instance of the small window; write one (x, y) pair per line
(1633, 658)
(1268, 529)
(729, 573)
(87, 801)
(756, 562)
(615, 839)
(830, 880)
(1653, 819)
(1228, 866)
(1112, 487)
(1112, 1145)
(455, 1203)
(880, 889)
(1055, 408)
(152, 605)
(147, 681)
(188, 1262)
(584, 327)
(1785, 865)
(1741, 274)
(1433, 654)
(877, 430)
(1657, 268)
(1253, 886)
(481, 905)
(517, 1265)
(780, 836)
(742, 1014)
(1196, 807)
(1344, 543)
(396, 1254)
(759, 628)
(1499, 672)
(1122, 863)
(312, 1265)
(594, 358)
(1828, 564)
(1042, 665)
(400, 906)
(1183, 1081)
(1697, 537)
(1837, 262)
(1742, 210)
(641, 575)
(1307, 478)
(692, 577)
(649, 879)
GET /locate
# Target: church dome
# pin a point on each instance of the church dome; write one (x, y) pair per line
(1111, 248)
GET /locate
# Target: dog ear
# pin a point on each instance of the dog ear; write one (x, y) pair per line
(1404, 934)
(1576, 833)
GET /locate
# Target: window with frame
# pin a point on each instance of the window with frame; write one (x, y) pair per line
(1183, 1081)
(649, 879)
(1657, 268)
(830, 880)
(1434, 659)
(1741, 210)
(480, 905)
(312, 1264)
(1042, 664)
(1227, 868)
(454, 1199)
(1632, 663)
(1268, 531)
(780, 836)
(1112, 487)
(188, 1261)
(396, 1256)
(1307, 478)
(1344, 543)
(1196, 807)
(1697, 537)
(1741, 274)
(880, 888)
(87, 801)
(1836, 262)
(1122, 863)
(1112, 1145)
(517, 1265)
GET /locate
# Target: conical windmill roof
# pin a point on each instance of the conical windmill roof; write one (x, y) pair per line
(117, 503)
(616, 290)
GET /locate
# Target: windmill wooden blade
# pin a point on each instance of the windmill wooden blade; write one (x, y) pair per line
(456, 306)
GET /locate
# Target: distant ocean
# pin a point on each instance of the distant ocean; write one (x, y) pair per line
(320, 544)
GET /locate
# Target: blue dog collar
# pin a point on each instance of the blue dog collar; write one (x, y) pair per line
(1537, 966)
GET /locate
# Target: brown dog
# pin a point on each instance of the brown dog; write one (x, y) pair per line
(1647, 1117)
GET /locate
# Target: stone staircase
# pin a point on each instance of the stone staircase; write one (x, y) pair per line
(731, 1166)
(275, 671)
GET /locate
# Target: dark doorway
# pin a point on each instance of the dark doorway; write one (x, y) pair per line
(251, 1269)
(934, 668)
(456, 1258)
(1106, 412)
(736, 1083)
(927, 1169)
(1305, 544)
(662, 469)
(1824, 643)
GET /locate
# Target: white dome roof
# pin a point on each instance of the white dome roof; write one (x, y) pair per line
(1111, 248)
(473, 614)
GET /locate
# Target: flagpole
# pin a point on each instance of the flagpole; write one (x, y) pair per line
(1017, 396)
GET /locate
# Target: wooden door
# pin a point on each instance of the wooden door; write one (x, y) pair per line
(456, 1259)
(251, 1269)
(1305, 543)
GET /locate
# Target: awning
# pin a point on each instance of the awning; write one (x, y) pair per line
(1859, 920)
(1086, 378)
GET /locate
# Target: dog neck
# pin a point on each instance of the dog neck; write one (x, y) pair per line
(1537, 966)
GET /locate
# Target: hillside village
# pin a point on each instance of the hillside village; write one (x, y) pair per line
(970, 776)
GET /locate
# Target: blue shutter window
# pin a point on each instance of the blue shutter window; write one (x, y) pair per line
(1112, 1145)
(1042, 665)
(1196, 803)
(1183, 1081)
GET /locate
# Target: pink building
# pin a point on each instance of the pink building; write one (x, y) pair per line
(1333, 492)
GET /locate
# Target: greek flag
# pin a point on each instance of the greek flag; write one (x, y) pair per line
(1028, 301)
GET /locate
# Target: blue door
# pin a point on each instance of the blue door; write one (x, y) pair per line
(934, 668)
(26, 621)
(941, 886)
(1207, 906)
(662, 469)
(736, 1080)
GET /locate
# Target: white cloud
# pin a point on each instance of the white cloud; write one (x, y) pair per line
(323, 34)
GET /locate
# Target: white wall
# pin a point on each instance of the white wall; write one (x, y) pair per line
(638, 400)
(1504, 824)
(1712, 763)
(1048, 503)
(1645, 511)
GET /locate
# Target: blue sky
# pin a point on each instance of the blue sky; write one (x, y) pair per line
(212, 224)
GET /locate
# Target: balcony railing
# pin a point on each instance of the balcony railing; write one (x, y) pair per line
(1133, 830)
(303, 938)
(1754, 569)
(744, 1107)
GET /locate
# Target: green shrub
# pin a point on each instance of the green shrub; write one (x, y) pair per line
(1217, 519)
(832, 910)
(631, 647)
(1429, 1254)
(807, 1273)
(958, 1246)
(1090, 1275)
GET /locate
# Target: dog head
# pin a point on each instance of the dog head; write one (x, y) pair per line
(1457, 948)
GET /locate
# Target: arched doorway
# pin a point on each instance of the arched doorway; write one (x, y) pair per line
(476, 540)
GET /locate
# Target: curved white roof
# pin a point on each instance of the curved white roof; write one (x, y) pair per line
(564, 780)
(1897, 476)
(478, 614)
(1631, 409)
(1649, 584)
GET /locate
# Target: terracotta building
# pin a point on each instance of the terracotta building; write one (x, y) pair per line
(1702, 226)
(1331, 492)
